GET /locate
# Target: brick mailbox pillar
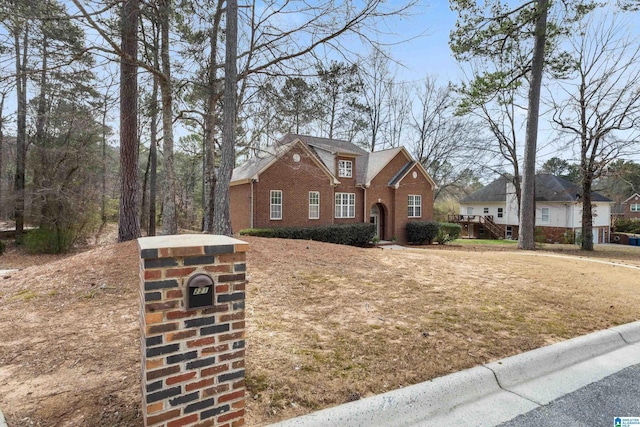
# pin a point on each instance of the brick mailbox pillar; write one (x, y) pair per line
(192, 292)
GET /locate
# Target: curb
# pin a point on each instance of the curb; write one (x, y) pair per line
(495, 392)
(3, 422)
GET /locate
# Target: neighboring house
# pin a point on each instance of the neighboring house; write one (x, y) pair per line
(631, 207)
(492, 211)
(309, 181)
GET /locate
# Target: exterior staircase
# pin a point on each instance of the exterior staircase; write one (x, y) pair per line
(496, 231)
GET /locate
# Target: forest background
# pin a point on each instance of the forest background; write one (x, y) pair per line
(372, 72)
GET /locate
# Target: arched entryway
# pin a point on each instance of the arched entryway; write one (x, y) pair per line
(377, 217)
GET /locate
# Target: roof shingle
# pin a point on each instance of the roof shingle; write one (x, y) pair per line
(549, 188)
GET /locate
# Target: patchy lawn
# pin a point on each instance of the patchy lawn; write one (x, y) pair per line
(326, 324)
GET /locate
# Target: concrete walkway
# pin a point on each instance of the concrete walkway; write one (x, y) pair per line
(494, 393)
(6, 272)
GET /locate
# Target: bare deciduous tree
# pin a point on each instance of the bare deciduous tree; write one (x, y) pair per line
(599, 106)
(445, 144)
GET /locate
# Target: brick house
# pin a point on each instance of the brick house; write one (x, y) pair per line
(309, 181)
(492, 211)
(631, 207)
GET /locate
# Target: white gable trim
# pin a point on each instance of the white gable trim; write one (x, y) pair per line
(424, 173)
(635, 196)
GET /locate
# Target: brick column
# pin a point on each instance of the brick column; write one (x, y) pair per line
(192, 359)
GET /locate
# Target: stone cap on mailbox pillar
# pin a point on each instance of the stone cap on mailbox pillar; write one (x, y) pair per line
(180, 243)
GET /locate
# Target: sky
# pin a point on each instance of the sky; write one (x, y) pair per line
(426, 52)
(430, 54)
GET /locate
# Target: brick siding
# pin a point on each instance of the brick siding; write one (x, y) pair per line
(192, 359)
(297, 179)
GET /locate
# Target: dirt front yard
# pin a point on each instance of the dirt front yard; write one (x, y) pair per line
(326, 324)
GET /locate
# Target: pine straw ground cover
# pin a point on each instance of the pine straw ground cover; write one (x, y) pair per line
(326, 324)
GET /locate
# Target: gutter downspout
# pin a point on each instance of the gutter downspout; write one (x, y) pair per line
(364, 203)
(251, 205)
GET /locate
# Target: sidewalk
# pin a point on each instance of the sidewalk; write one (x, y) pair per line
(491, 394)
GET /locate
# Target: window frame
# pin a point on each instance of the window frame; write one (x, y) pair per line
(272, 205)
(411, 207)
(542, 215)
(341, 208)
(485, 211)
(634, 207)
(345, 168)
(500, 212)
(315, 205)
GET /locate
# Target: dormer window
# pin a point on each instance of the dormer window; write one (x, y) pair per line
(345, 168)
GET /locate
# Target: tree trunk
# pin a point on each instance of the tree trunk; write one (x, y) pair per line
(2, 210)
(169, 215)
(209, 128)
(103, 196)
(153, 157)
(222, 219)
(129, 221)
(40, 148)
(21, 134)
(143, 204)
(526, 236)
(587, 217)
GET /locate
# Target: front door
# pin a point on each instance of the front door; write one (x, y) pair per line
(374, 218)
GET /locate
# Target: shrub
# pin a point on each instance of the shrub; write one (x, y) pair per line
(48, 241)
(359, 234)
(3, 247)
(258, 232)
(627, 226)
(448, 232)
(422, 231)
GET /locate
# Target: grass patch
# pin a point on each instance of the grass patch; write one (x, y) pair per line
(24, 295)
(355, 322)
(484, 242)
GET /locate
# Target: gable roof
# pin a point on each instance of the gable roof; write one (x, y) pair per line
(328, 149)
(334, 146)
(376, 162)
(494, 192)
(261, 161)
(252, 168)
(635, 196)
(324, 151)
(549, 188)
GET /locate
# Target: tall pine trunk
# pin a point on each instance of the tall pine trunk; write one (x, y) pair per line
(222, 218)
(209, 127)
(153, 157)
(2, 202)
(169, 215)
(143, 205)
(40, 145)
(526, 237)
(21, 134)
(128, 220)
(103, 196)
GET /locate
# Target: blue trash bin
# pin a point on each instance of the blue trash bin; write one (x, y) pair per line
(633, 241)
